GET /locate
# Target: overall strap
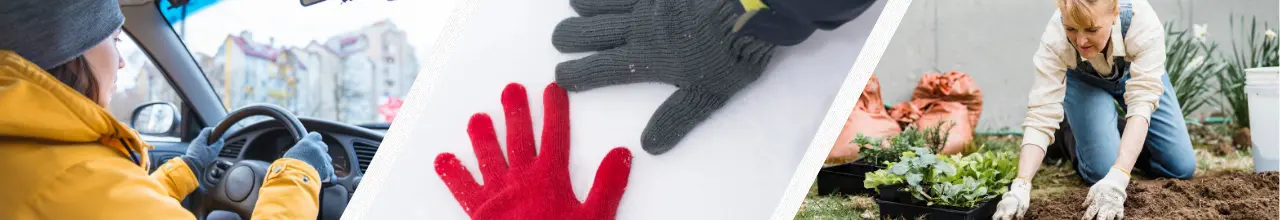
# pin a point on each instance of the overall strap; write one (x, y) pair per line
(1126, 16)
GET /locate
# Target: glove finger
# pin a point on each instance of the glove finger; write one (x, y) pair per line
(515, 103)
(1022, 209)
(555, 128)
(755, 52)
(1005, 207)
(597, 7)
(677, 116)
(458, 180)
(203, 138)
(1088, 199)
(204, 134)
(610, 183)
(1090, 213)
(484, 142)
(316, 143)
(623, 65)
(595, 33)
(1002, 212)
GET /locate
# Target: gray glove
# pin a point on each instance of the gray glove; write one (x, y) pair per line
(685, 43)
(200, 155)
(312, 150)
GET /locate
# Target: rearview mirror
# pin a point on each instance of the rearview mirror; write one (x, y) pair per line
(310, 2)
(156, 118)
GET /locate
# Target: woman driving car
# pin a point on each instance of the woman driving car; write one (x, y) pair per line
(69, 158)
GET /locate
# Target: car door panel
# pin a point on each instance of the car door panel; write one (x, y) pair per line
(165, 150)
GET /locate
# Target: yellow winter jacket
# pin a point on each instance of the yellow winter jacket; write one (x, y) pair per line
(65, 157)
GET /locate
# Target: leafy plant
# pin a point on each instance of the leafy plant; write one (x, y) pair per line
(1190, 63)
(933, 137)
(882, 177)
(1257, 52)
(992, 143)
(910, 168)
(952, 180)
(874, 154)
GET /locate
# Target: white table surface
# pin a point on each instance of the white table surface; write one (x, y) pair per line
(735, 165)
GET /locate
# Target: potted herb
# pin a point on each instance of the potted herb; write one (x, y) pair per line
(846, 178)
(874, 155)
(921, 183)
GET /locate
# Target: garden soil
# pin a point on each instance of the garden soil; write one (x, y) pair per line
(1226, 195)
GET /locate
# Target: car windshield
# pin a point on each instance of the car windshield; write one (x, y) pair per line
(351, 62)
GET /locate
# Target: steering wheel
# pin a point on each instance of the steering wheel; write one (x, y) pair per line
(233, 186)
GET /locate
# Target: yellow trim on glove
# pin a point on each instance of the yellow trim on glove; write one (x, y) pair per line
(753, 5)
(1126, 172)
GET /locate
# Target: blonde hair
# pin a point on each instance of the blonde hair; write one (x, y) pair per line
(1080, 13)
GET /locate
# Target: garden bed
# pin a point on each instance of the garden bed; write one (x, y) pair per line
(1055, 182)
(1223, 195)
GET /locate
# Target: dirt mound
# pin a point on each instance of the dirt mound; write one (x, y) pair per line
(1227, 195)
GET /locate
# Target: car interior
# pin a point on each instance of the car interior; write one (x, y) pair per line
(232, 183)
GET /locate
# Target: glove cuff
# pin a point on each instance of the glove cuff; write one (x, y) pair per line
(194, 165)
(1020, 184)
(1117, 177)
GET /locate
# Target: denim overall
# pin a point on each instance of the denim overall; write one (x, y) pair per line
(1089, 107)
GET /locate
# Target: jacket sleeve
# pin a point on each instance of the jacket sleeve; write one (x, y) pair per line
(790, 22)
(176, 179)
(291, 191)
(1049, 88)
(822, 14)
(108, 188)
(1145, 44)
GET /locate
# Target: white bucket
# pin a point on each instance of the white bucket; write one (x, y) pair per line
(1263, 88)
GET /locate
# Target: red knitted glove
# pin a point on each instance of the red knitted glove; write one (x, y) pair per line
(531, 186)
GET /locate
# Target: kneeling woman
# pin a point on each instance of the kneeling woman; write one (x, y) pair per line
(1093, 54)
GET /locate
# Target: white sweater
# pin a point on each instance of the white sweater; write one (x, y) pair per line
(1144, 48)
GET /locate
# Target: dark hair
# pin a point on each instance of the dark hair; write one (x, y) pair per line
(79, 76)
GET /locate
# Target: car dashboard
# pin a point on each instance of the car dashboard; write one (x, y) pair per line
(272, 144)
(351, 147)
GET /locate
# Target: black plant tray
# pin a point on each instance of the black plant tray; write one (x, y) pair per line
(900, 210)
(845, 179)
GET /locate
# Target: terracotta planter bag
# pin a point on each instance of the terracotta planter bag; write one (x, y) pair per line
(868, 118)
(954, 86)
(953, 98)
(956, 117)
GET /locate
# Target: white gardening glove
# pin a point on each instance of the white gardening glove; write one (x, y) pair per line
(1015, 202)
(1106, 198)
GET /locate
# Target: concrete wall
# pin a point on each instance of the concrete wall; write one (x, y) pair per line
(993, 41)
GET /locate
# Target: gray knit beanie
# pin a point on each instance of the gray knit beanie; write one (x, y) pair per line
(52, 32)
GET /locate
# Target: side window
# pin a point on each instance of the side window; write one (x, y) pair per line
(138, 83)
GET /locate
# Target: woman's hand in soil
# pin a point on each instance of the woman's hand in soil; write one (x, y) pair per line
(1015, 202)
(1106, 198)
(531, 186)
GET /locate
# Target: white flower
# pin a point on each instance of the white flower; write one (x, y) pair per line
(1270, 34)
(1200, 31)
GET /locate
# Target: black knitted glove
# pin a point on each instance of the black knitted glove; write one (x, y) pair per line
(685, 43)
